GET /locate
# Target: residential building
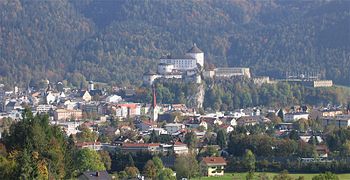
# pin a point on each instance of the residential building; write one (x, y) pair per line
(322, 151)
(147, 125)
(91, 145)
(180, 148)
(50, 98)
(338, 121)
(320, 83)
(173, 127)
(261, 80)
(248, 120)
(68, 127)
(12, 105)
(44, 108)
(85, 95)
(138, 147)
(295, 116)
(331, 112)
(226, 128)
(114, 99)
(213, 166)
(91, 107)
(127, 110)
(158, 131)
(66, 114)
(95, 175)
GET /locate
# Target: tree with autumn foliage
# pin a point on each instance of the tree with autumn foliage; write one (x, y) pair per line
(35, 150)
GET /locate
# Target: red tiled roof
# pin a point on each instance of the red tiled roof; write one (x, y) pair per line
(214, 161)
(81, 144)
(224, 126)
(177, 143)
(149, 123)
(140, 145)
(131, 105)
(323, 148)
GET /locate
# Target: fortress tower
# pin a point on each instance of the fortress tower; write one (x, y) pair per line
(197, 54)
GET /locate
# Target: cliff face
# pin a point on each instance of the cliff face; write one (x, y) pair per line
(200, 96)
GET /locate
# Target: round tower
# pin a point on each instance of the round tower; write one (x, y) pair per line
(197, 54)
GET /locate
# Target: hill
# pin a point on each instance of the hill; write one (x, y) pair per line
(116, 41)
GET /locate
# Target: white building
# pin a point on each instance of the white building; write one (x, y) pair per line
(291, 117)
(149, 77)
(189, 61)
(232, 72)
(197, 54)
(50, 98)
(43, 108)
(238, 114)
(173, 127)
(164, 68)
(158, 131)
(182, 67)
(180, 63)
(91, 86)
(68, 127)
(180, 148)
(127, 110)
(114, 99)
(233, 122)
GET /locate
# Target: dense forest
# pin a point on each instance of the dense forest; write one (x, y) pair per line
(231, 94)
(116, 41)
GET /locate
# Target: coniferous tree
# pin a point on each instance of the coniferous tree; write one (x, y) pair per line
(249, 160)
(191, 139)
(150, 170)
(221, 139)
(130, 161)
(154, 138)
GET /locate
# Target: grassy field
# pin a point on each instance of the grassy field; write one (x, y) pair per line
(241, 176)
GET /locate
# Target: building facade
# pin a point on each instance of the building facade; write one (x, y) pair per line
(213, 166)
(339, 121)
(291, 117)
(232, 72)
(67, 114)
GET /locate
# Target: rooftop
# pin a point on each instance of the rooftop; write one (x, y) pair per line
(91, 175)
(140, 144)
(194, 49)
(214, 161)
(177, 57)
(150, 72)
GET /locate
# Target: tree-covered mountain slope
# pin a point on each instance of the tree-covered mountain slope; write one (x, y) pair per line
(116, 41)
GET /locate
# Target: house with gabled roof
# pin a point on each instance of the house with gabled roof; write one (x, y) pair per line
(213, 166)
(85, 95)
(141, 147)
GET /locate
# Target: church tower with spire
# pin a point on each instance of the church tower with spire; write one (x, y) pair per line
(155, 108)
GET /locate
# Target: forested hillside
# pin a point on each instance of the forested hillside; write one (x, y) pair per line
(116, 41)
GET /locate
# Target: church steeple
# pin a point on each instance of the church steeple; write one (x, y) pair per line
(154, 104)
(155, 108)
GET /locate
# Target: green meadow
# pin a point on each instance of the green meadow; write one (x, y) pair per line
(242, 176)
